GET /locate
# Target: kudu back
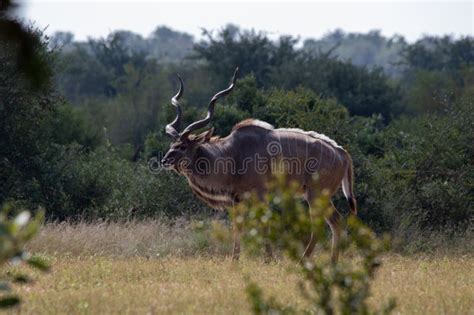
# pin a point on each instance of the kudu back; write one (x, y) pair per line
(221, 170)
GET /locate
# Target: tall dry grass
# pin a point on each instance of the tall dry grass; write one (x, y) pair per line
(184, 237)
(152, 238)
(175, 267)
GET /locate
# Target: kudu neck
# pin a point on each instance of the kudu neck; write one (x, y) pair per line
(205, 158)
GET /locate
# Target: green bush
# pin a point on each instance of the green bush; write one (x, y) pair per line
(102, 184)
(329, 288)
(302, 108)
(424, 179)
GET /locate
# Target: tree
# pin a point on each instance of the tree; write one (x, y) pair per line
(39, 136)
(253, 52)
(61, 40)
(168, 46)
(363, 92)
(437, 71)
(435, 53)
(371, 50)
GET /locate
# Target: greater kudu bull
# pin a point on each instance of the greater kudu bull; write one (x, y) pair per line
(221, 170)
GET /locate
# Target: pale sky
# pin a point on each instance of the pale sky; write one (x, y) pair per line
(307, 19)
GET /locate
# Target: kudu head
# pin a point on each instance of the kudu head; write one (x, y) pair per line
(184, 145)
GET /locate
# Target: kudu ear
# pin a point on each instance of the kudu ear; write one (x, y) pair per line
(204, 136)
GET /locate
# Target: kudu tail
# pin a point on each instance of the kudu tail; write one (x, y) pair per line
(347, 183)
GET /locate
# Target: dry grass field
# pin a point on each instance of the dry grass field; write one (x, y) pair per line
(155, 268)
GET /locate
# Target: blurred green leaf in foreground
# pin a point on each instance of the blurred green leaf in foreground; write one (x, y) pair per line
(16, 228)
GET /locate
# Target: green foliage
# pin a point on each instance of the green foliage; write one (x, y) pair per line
(280, 64)
(364, 92)
(440, 53)
(437, 71)
(227, 117)
(104, 185)
(425, 178)
(169, 46)
(16, 228)
(40, 137)
(253, 52)
(329, 288)
(302, 108)
(247, 96)
(431, 91)
(70, 126)
(81, 75)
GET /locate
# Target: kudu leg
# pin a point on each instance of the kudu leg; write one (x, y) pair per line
(310, 247)
(312, 240)
(334, 222)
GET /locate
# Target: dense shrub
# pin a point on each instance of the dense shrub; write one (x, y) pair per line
(102, 184)
(302, 108)
(426, 175)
